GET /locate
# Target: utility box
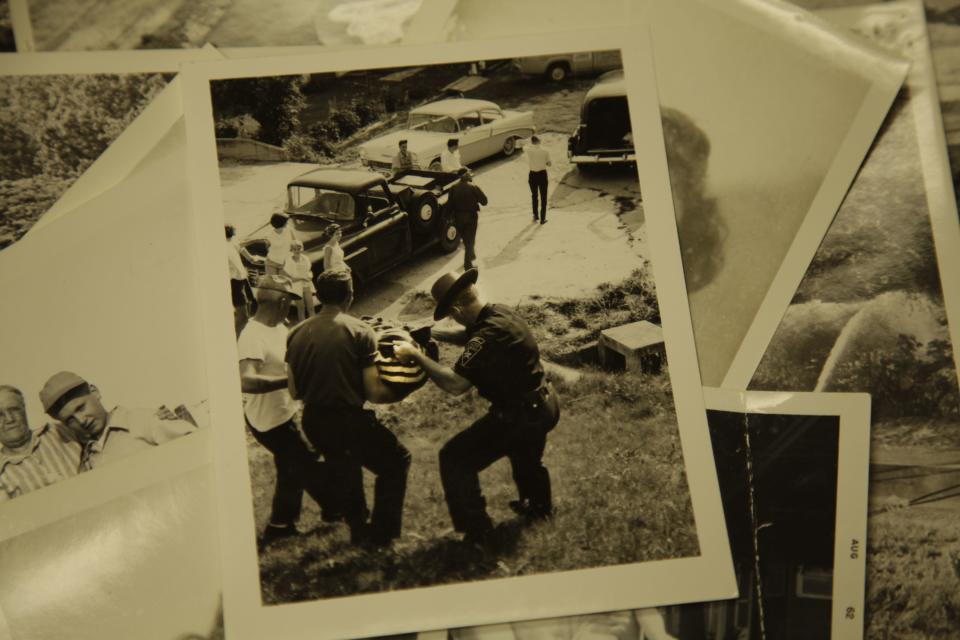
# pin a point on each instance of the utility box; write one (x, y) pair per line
(637, 347)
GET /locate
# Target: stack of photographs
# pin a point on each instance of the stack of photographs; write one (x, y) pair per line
(627, 319)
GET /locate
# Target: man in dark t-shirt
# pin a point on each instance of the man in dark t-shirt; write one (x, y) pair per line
(501, 359)
(330, 359)
(465, 200)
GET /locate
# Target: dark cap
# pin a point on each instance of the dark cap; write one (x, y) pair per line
(58, 386)
(446, 289)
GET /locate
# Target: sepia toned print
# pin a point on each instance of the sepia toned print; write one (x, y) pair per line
(872, 315)
(80, 25)
(481, 192)
(415, 191)
(49, 147)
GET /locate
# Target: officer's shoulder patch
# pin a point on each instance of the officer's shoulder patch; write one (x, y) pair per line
(472, 348)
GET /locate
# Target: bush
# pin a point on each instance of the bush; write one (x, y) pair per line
(325, 130)
(368, 110)
(299, 148)
(65, 122)
(274, 102)
(907, 380)
(346, 121)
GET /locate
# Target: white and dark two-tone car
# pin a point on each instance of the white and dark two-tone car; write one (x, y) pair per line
(482, 127)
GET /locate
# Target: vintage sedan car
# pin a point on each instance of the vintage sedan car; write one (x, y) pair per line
(561, 66)
(482, 128)
(383, 223)
(604, 136)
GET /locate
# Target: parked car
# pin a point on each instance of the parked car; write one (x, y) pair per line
(482, 128)
(562, 66)
(604, 136)
(383, 223)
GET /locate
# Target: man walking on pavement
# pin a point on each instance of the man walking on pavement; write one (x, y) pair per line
(538, 160)
(269, 411)
(502, 360)
(465, 200)
(331, 367)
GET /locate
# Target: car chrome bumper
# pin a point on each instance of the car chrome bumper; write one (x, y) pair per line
(595, 159)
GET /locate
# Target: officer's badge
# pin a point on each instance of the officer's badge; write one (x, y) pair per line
(474, 345)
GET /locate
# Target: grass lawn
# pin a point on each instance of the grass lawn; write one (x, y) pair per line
(619, 486)
(618, 481)
(913, 580)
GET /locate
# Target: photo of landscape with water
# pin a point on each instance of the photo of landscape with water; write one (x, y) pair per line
(869, 316)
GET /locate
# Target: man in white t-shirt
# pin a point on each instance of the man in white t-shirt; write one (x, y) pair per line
(269, 410)
(450, 157)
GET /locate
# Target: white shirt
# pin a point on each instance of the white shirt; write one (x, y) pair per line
(333, 258)
(450, 162)
(267, 345)
(298, 270)
(237, 269)
(130, 431)
(279, 244)
(537, 156)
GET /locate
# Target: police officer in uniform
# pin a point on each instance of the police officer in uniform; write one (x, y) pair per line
(501, 359)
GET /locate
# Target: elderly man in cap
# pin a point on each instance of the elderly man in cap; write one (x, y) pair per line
(501, 359)
(31, 460)
(105, 435)
(331, 362)
(269, 410)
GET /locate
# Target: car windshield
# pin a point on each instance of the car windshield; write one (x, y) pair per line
(323, 203)
(428, 122)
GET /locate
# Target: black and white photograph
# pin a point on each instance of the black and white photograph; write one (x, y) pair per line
(121, 25)
(70, 401)
(762, 153)
(397, 237)
(871, 316)
(54, 127)
(793, 476)
(128, 547)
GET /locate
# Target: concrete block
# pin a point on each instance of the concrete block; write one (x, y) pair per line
(638, 345)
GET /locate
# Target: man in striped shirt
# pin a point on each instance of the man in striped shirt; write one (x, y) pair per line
(31, 460)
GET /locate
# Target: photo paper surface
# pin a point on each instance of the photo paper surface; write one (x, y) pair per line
(776, 148)
(124, 543)
(876, 313)
(308, 158)
(80, 25)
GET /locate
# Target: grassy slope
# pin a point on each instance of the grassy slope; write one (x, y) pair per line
(913, 591)
(618, 481)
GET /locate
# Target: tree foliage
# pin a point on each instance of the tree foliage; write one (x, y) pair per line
(274, 102)
(58, 125)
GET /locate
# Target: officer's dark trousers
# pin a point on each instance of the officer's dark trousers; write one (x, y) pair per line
(538, 186)
(351, 440)
(297, 470)
(467, 226)
(518, 434)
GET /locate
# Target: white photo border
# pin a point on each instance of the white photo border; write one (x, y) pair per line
(886, 73)
(709, 576)
(853, 469)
